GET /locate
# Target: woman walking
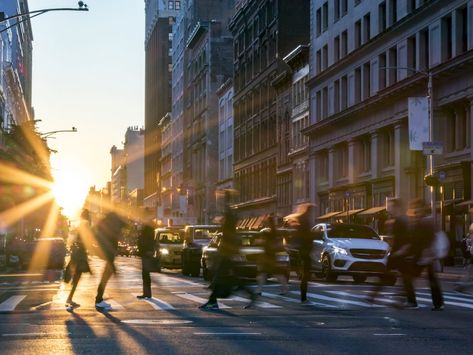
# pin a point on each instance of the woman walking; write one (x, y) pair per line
(79, 262)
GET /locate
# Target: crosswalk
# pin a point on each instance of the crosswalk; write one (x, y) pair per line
(270, 300)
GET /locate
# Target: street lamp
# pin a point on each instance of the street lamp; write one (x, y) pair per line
(427, 74)
(29, 15)
(48, 134)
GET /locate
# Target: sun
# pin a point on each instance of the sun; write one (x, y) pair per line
(70, 190)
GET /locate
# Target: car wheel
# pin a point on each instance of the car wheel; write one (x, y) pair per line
(359, 278)
(327, 274)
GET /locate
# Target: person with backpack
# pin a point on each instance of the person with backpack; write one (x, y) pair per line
(78, 263)
(108, 232)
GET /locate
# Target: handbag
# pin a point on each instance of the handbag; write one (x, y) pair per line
(151, 263)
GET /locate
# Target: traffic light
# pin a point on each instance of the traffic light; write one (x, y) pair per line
(432, 180)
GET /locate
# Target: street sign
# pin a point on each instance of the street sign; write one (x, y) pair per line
(432, 148)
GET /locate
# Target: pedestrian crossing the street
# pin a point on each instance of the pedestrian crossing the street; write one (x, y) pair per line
(270, 300)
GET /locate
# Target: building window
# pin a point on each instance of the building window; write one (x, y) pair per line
(325, 17)
(411, 54)
(318, 106)
(342, 161)
(424, 49)
(366, 80)
(392, 12)
(357, 34)
(178, 5)
(366, 28)
(336, 49)
(382, 16)
(324, 102)
(336, 10)
(344, 7)
(344, 93)
(171, 5)
(462, 30)
(322, 166)
(457, 128)
(392, 65)
(318, 62)
(318, 21)
(336, 96)
(325, 57)
(388, 148)
(357, 85)
(344, 47)
(447, 33)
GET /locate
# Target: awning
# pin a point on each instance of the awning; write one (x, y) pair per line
(328, 215)
(251, 222)
(241, 222)
(372, 211)
(465, 203)
(258, 224)
(350, 213)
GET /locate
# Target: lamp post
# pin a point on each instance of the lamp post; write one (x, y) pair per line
(427, 74)
(47, 135)
(28, 15)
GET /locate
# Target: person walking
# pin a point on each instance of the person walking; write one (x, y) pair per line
(108, 232)
(304, 241)
(146, 251)
(226, 279)
(466, 281)
(271, 245)
(78, 263)
(397, 225)
(422, 235)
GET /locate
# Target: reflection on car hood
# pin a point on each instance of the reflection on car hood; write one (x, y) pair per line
(359, 243)
(251, 250)
(201, 242)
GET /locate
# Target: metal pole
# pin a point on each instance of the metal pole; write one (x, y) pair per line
(431, 137)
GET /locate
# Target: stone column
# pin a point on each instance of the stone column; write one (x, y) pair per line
(331, 167)
(374, 155)
(351, 161)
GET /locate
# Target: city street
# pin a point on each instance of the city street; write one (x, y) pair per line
(33, 318)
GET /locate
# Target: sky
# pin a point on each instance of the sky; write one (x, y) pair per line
(88, 73)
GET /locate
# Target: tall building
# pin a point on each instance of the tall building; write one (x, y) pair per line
(264, 31)
(225, 143)
(118, 175)
(366, 59)
(160, 15)
(15, 66)
(200, 29)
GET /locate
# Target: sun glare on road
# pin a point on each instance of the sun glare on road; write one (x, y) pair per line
(69, 190)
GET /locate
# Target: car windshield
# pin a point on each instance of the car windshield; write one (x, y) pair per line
(205, 233)
(170, 238)
(351, 231)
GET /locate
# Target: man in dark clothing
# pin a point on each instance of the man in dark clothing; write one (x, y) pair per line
(305, 239)
(146, 251)
(422, 234)
(108, 233)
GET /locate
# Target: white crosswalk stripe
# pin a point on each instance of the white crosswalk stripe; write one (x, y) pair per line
(258, 303)
(333, 299)
(450, 303)
(447, 296)
(157, 303)
(198, 299)
(10, 303)
(293, 300)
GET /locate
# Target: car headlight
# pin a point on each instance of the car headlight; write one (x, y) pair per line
(341, 251)
(164, 251)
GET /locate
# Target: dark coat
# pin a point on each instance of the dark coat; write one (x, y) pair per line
(146, 241)
(79, 261)
(107, 233)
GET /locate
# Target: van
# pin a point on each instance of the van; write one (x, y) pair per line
(169, 242)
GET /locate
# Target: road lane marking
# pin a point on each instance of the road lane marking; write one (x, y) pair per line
(347, 294)
(389, 334)
(157, 303)
(464, 299)
(458, 304)
(258, 303)
(157, 321)
(34, 334)
(224, 333)
(11, 303)
(343, 301)
(292, 300)
(198, 299)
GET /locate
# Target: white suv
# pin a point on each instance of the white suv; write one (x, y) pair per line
(348, 249)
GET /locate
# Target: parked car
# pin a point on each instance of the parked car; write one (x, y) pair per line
(348, 249)
(169, 243)
(43, 253)
(195, 238)
(248, 260)
(123, 249)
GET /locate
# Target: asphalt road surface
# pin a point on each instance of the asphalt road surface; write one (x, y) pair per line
(33, 318)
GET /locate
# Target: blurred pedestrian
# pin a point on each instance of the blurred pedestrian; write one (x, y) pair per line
(78, 263)
(108, 232)
(226, 280)
(268, 266)
(304, 242)
(422, 234)
(397, 227)
(146, 251)
(467, 279)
